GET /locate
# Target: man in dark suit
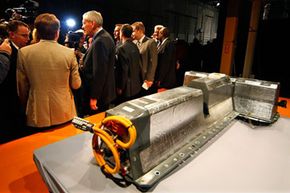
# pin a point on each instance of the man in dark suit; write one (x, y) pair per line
(148, 50)
(99, 80)
(12, 116)
(165, 77)
(128, 67)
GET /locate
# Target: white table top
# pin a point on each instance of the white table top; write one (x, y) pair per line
(243, 159)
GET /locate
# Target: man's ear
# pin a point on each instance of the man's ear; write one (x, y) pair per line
(11, 35)
(95, 25)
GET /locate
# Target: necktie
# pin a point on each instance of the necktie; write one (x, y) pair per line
(138, 43)
(158, 44)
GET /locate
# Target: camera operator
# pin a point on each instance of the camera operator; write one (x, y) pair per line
(76, 40)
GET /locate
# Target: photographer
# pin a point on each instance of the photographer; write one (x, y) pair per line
(76, 41)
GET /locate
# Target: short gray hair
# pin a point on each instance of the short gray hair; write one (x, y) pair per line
(158, 27)
(94, 16)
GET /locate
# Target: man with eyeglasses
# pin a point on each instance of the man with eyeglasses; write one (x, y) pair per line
(18, 33)
(12, 116)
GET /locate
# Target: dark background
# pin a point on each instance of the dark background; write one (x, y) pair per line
(271, 58)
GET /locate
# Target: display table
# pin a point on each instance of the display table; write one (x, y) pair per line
(18, 170)
(243, 159)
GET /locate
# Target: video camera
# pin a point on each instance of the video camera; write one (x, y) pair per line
(73, 38)
(26, 12)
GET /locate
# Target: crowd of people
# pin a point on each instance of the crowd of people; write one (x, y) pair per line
(44, 84)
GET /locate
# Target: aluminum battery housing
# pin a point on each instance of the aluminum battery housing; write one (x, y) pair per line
(256, 99)
(163, 122)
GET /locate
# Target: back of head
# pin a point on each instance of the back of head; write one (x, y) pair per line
(94, 16)
(127, 30)
(158, 27)
(47, 26)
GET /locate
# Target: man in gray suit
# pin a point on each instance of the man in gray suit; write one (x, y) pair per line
(148, 50)
(99, 60)
(46, 73)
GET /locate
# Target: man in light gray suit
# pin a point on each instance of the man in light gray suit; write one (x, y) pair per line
(46, 73)
(148, 51)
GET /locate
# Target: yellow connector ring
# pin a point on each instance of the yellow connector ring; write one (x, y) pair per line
(107, 139)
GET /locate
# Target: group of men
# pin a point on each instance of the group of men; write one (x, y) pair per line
(157, 57)
(47, 72)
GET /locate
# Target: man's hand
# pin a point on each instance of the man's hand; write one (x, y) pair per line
(93, 104)
(5, 47)
(149, 83)
(177, 65)
(119, 91)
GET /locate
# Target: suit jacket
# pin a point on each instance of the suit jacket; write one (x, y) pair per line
(99, 60)
(148, 51)
(46, 72)
(166, 69)
(12, 115)
(128, 69)
(4, 66)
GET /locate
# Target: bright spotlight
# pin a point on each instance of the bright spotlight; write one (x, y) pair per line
(70, 23)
